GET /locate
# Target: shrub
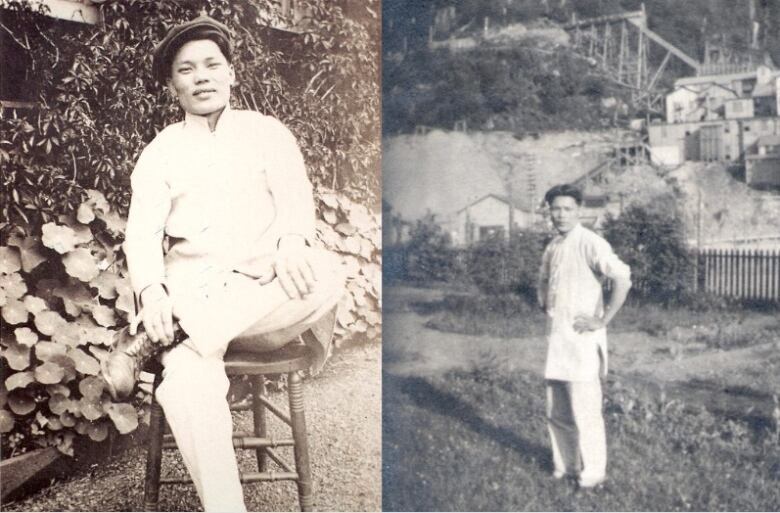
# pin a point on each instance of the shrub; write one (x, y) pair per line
(64, 292)
(65, 186)
(498, 267)
(651, 240)
(429, 254)
(98, 105)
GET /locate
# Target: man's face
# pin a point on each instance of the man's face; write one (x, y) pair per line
(201, 77)
(565, 213)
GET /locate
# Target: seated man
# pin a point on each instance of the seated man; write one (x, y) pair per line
(229, 188)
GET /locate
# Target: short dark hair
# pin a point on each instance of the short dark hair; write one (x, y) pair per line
(196, 34)
(564, 189)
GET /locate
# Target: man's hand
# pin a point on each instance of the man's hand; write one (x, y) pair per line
(156, 314)
(293, 268)
(583, 323)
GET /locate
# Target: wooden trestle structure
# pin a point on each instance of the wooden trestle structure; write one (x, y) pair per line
(620, 44)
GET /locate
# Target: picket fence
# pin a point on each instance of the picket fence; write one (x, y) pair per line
(740, 273)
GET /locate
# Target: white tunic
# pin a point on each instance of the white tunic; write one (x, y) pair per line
(573, 269)
(224, 198)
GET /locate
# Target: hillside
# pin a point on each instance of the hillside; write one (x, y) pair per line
(442, 172)
(534, 83)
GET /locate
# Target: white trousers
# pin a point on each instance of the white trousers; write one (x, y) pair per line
(193, 394)
(576, 424)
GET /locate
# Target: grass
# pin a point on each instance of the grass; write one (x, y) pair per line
(478, 441)
(511, 316)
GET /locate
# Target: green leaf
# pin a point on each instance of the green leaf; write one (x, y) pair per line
(104, 315)
(19, 380)
(61, 239)
(32, 252)
(98, 431)
(126, 300)
(49, 322)
(54, 423)
(124, 416)
(17, 355)
(71, 334)
(92, 387)
(58, 388)
(106, 283)
(20, 403)
(14, 312)
(59, 404)
(352, 245)
(68, 419)
(10, 261)
(34, 304)
(85, 363)
(65, 443)
(97, 200)
(330, 199)
(76, 298)
(49, 373)
(46, 351)
(330, 216)
(6, 421)
(80, 264)
(13, 285)
(90, 410)
(85, 215)
(82, 233)
(346, 229)
(114, 222)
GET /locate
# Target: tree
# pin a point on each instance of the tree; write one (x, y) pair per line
(651, 240)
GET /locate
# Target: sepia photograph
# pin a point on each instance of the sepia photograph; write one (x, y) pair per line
(581, 212)
(190, 263)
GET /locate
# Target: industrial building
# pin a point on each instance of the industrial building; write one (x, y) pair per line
(731, 116)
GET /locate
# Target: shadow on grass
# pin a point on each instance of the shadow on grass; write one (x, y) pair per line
(426, 396)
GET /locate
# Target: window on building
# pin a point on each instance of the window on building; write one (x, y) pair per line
(747, 128)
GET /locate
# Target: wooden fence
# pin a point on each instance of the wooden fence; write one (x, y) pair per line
(740, 273)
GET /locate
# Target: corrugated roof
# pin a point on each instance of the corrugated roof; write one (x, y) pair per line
(769, 140)
(764, 90)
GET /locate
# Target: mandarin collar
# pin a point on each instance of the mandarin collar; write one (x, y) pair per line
(567, 236)
(201, 123)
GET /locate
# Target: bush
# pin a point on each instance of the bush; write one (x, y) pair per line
(64, 293)
(429, 254)
(65, 185)
(498, 267)
(651, 240)
(97, 105)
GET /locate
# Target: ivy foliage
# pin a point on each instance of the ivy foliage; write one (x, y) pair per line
(98, 106)
(64, 291)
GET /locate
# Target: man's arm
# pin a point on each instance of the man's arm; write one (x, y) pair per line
(620, 288)
(149, 209)
(602, 259)
(294, 202)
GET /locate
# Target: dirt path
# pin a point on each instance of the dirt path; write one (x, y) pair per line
(743, 379)
(343, 416)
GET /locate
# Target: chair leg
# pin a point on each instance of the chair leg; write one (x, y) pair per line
(258, 414)
(154, 455)
(302, 466)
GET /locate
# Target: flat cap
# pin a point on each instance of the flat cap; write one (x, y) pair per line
(203, 26)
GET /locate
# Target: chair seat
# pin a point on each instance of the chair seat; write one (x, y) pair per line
(290, 358)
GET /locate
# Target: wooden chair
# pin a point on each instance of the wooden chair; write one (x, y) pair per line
(292, 360)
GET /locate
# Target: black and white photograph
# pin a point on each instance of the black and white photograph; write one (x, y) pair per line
(581, 211)
(190, 264)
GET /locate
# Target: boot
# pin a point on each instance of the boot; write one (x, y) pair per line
(122, 367)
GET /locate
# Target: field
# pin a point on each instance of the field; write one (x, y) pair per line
(691, 418)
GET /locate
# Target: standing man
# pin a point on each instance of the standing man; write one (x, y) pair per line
(573, 268)
(230, 190)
